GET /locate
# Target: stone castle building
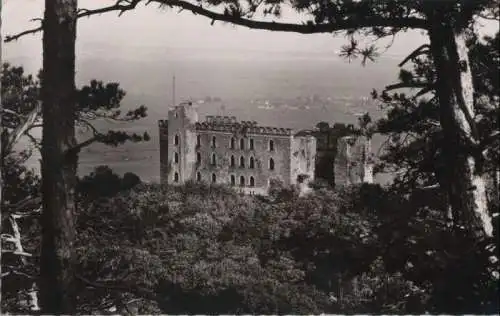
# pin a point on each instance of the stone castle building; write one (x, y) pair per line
(245, 155)
(238, 153)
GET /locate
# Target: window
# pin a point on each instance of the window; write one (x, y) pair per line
(198, 140)
(176, 158)
(213, 141)
(233, 163)
(198, 176)
(176, 177)
(252, 182)
(271, 164)
(242, 162)
(233, 141)
(198, 158)
(242, 144)
(233, 180)
(271, 145)
(252, 163)
(251, 143)
(213, 159)
(176, 140)
(242, 181)
(214, 178)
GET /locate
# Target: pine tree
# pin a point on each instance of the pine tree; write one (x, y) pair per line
(57, 284)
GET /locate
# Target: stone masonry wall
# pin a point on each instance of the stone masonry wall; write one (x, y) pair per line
(303, 158)
(352, 163)
(261, 155)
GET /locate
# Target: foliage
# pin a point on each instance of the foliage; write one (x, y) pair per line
(102, 182)
(207, 249)
(20, 182)
(96, 102)
(215, 250)
(453, 270)
(21, 192)
(412, 125)
(211, 250)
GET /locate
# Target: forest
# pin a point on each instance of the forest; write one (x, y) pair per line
(110, 244)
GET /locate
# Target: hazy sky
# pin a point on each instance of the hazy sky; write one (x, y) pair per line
(149, 26)
(122, 37)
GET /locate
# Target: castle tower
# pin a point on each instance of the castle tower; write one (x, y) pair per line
(178, 137)
(353, 161)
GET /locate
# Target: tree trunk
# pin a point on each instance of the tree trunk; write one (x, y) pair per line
(1, 133)
(464, 182)
(57, 294)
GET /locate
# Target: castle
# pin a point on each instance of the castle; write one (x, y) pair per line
(245, 155)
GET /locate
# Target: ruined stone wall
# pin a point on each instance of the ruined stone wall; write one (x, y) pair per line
(352, 162)
(303, 159)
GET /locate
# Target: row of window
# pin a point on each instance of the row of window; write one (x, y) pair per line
(251, 161)
(242, 143)
(232, 144)
(242, 182)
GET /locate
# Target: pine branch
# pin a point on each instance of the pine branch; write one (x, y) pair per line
(423, 49)
(27, 202)
(402, 85)
(120, 5)
(21, 129)
(304, 28)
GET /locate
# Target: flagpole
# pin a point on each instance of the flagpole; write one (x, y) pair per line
(173, 90)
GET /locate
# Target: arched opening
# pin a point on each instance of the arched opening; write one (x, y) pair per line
(242, 143)
(242, 181)
(271, 164)
(252, 163)
(213, 159)
(242, 162)
(271, 145)
(198, 158)
(176, 158)
(251, 143)
(233, 142)
(213, 141)
(214, 178)
(233, 180)
(198, 176)
(252, 182)
(176, 140)
(176, 177)
(233, 162)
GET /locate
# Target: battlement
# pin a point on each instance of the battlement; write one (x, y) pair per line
(163, 123)
(247, 127)
(217, 119)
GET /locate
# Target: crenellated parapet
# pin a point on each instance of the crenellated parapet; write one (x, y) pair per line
(216, 119)
(244, 127)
